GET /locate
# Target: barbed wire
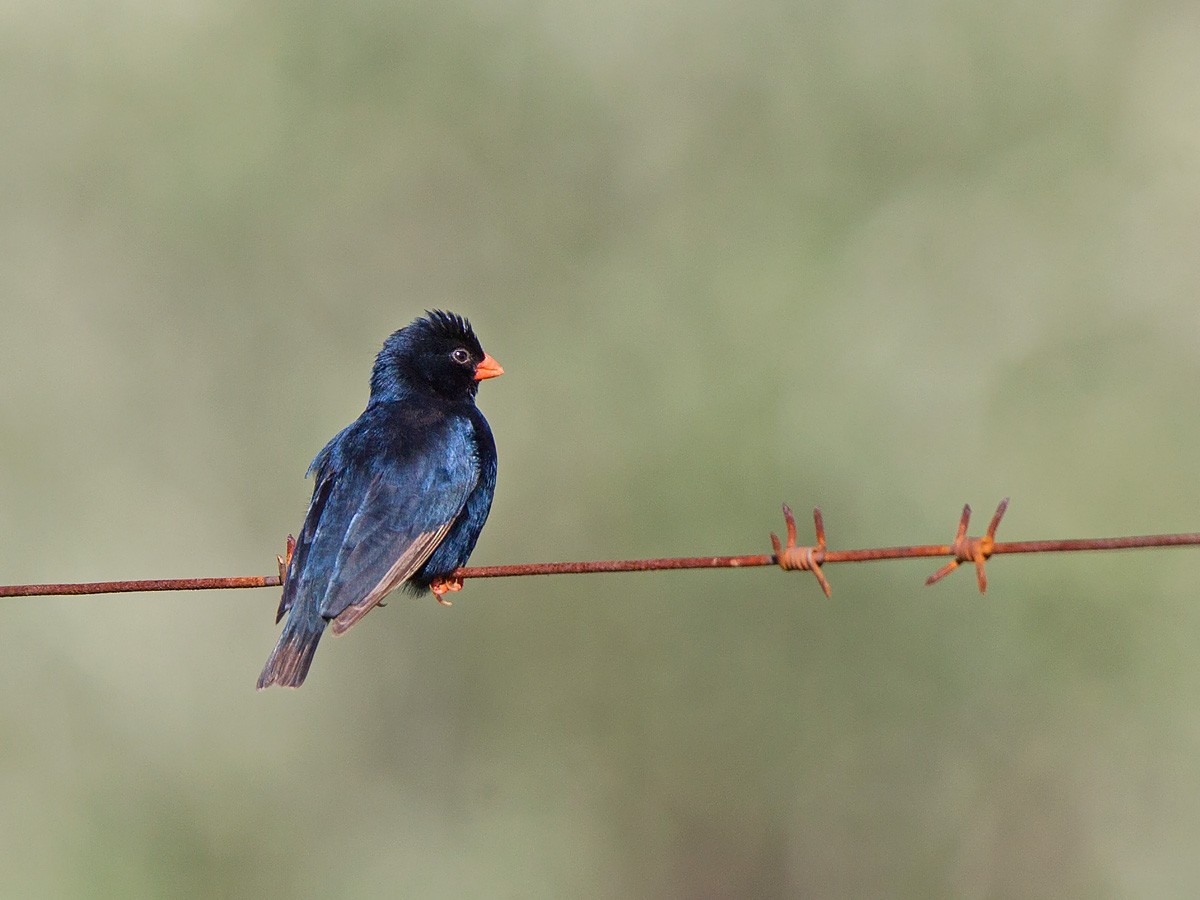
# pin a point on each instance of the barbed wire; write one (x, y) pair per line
(787, 555)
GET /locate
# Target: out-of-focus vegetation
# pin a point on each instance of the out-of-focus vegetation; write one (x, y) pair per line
(885, 258)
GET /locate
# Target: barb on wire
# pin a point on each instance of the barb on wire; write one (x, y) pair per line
(788, 556)
(969, 549)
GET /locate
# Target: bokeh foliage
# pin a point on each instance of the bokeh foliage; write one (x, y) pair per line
(885, 258)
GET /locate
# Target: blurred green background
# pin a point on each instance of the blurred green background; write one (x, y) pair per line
(887, 258)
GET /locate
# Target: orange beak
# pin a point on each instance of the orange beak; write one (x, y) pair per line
(489, 368)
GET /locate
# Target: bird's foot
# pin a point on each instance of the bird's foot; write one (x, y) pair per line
(286, 560)
(442, 586)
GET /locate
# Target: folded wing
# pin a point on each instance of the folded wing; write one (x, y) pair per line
(376, 523)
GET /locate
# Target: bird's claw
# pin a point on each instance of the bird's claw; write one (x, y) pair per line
(286, 560)
(442, 586)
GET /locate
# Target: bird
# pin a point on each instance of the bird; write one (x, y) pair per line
(399, 496)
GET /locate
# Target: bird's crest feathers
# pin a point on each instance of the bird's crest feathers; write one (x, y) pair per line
(449, 325)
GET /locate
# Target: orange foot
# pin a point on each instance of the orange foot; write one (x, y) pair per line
(286, 560)
(443, 586)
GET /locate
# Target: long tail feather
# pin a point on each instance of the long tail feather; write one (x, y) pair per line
(292, 656)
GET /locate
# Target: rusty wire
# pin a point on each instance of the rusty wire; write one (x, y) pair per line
(787, 555)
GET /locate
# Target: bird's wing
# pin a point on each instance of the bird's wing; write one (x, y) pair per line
(382, 520)
(298, 567)
(408, 562)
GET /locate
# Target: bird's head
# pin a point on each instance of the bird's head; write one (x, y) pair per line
(436, 354)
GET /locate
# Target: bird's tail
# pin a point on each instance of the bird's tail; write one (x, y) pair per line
(289, 662)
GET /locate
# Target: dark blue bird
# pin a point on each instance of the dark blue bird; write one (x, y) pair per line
(400, 495)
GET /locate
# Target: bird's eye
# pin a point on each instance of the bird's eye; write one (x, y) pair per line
(460, 356)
